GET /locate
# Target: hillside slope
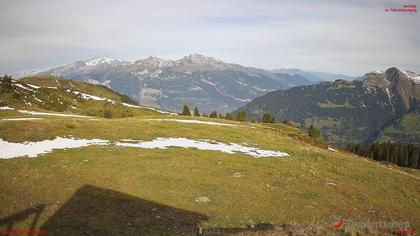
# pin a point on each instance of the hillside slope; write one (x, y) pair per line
(345, 111)
(195, 79)
(60, 95)
(126, 182)
(405, 130)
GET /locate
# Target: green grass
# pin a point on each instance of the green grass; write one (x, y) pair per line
(313, 183)
(53, 81)
(329, 104)
(55, 94)
(405, 130)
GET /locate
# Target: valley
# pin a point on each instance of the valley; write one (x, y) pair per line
(350, 111)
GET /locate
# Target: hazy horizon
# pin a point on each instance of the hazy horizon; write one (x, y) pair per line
(350, 38)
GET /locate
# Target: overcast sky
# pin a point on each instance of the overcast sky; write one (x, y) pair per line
(349, 37)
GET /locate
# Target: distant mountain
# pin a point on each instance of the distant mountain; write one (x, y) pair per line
(195, 79)
(348, 111)
(315, 76)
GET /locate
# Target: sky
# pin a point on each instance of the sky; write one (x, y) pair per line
(347, 37)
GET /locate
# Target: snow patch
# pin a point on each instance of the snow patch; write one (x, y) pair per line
(260, 89)
(23, 87)
(195, 88)
(107, 83)
(33, 86)
(332, 149)
(144, 72)
(33, 149)
(208, 82)
(155, 62)
(90, 96)
(6, 108)
(206, 145)
(99, 60)
(243, 83)
(25, 118)
(131, 105)
(149, 108)
(37, 99)
(50, 114)
(411, 75)
(92, 81)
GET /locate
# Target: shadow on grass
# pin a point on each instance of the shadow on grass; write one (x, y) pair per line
(99, 211)
(10, 221)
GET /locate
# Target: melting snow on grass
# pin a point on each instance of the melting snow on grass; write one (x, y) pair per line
(164, 143)
(25, 118)
(33, 86)
(23, 87)
(6, 108)
(149, 108)
(332, 149)
(90, 96)
(50, 114)
(33, 149)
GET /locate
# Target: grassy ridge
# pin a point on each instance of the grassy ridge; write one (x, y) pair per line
(313, 183)
(97, 90)
(58, 94)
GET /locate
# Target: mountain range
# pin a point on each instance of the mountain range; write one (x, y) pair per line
(196, 80)
(383, 105)
(315, 76)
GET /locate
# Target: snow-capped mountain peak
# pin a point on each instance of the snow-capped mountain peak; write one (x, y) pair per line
(199, 59)
(189, 62)
(411, 75)
(408, 74)
(100, 60)
(154, 62)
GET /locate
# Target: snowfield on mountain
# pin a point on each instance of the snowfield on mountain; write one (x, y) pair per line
(195, 80)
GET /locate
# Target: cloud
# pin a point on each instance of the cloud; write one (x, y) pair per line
(350, 37)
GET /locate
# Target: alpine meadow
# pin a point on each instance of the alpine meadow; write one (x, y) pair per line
(209, 118)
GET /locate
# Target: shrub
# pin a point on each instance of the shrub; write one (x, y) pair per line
(71, 124)
(268, 118)
(186, 111)
(228, 116)
(107, 114)
(6, 83)
(213, 114)
(314, 132)
(241, 116)
(196, 111)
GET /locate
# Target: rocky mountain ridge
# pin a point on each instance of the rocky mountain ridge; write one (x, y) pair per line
(346, 111)
(195, 80)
